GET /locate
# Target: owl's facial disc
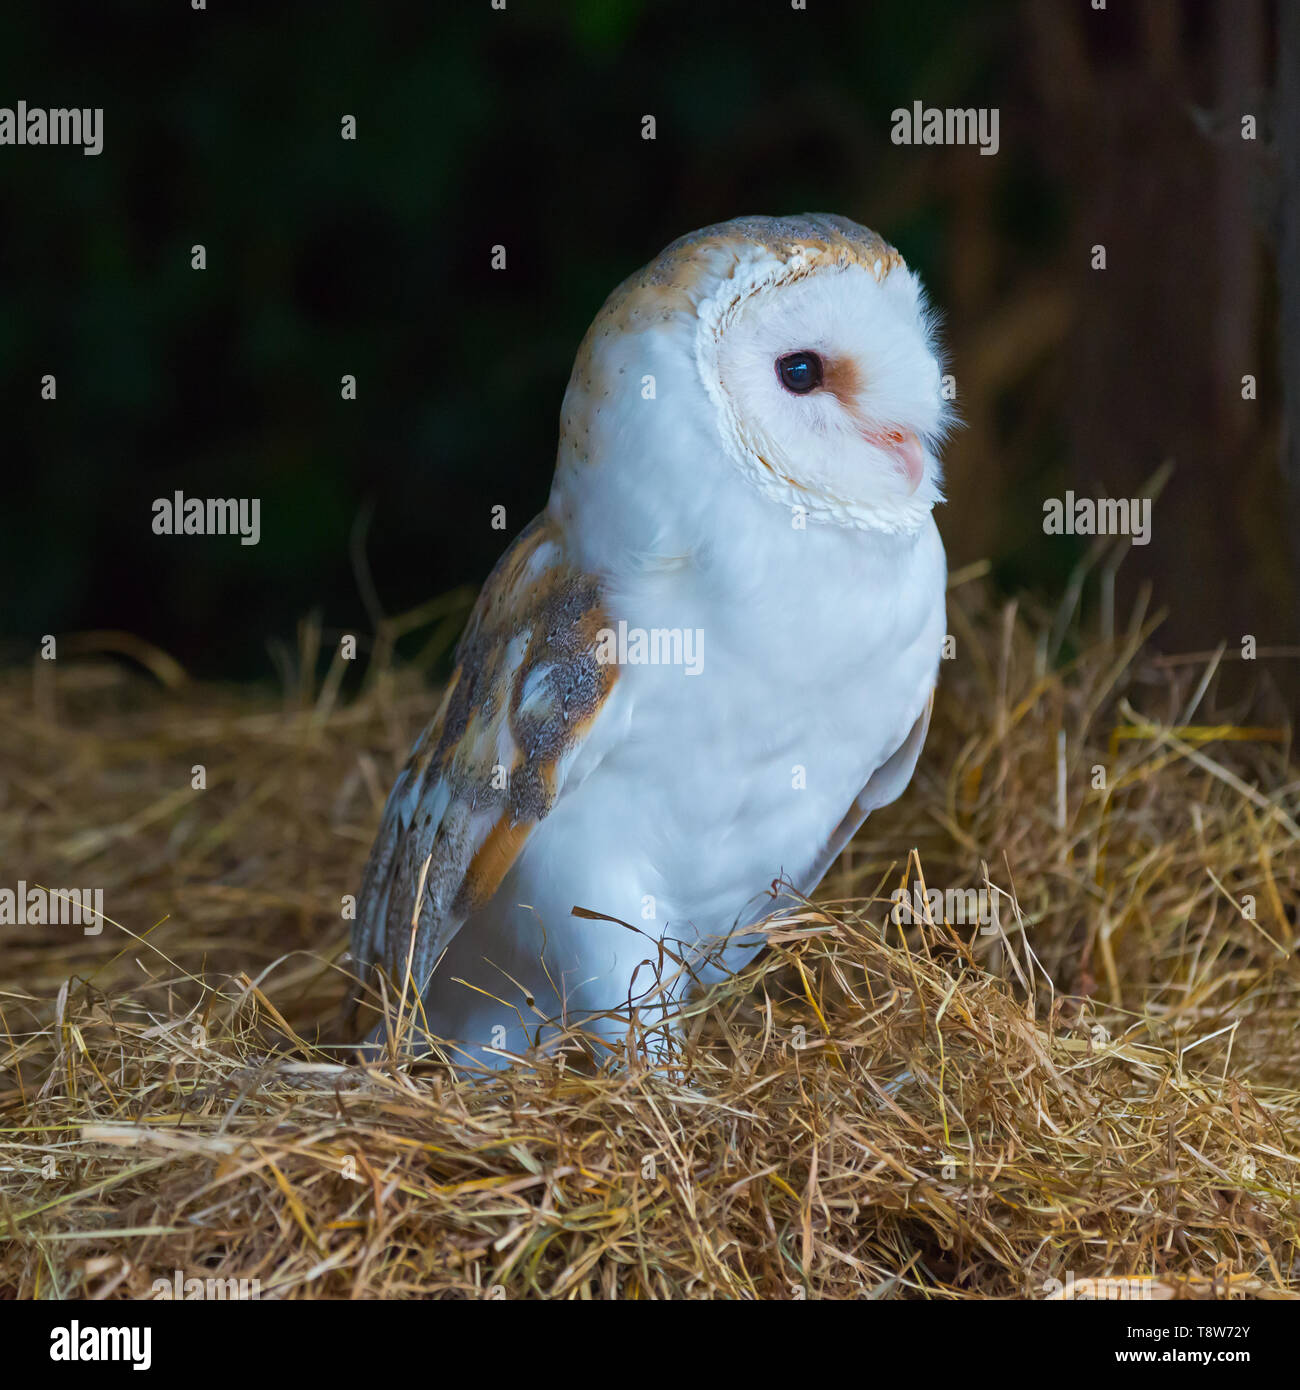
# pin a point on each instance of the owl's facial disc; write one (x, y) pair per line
(805, 371)
(827, 388)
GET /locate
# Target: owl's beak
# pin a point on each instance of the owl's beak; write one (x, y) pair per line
(906, 451)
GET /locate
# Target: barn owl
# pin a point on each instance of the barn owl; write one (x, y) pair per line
(698, 670)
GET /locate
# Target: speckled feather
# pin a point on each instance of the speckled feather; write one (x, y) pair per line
(525, 690)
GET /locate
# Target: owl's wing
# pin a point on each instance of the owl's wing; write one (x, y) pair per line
(526, 690)
(885, 785)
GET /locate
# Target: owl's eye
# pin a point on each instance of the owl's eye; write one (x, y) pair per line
(800, 372)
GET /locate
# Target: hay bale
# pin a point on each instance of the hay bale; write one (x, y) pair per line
(1097, 1086)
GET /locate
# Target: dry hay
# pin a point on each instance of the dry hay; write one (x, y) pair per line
(1099, 1087)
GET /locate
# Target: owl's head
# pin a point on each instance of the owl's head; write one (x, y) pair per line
(814, 348)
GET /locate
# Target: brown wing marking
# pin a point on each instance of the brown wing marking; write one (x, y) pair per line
(525, 692)
(493, 861)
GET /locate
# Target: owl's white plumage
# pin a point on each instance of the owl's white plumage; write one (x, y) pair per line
(694, 491)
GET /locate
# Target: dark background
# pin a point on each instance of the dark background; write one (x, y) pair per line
(523, 127)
